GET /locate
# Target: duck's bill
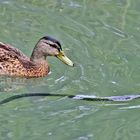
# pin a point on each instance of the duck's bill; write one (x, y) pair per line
(64, 59)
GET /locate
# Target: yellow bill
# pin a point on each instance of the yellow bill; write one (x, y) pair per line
(64, 59)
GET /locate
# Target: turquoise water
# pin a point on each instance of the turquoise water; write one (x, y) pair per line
(102, 39)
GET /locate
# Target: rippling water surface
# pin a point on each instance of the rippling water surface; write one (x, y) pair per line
(102, 37)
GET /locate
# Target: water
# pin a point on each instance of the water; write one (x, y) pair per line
(102, 38)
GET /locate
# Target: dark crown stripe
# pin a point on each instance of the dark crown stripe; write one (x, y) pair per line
(53, 40)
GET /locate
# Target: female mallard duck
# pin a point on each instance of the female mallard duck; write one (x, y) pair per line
(14, 63)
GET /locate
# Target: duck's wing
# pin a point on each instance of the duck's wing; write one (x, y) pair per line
(13, 50)
(9, 54)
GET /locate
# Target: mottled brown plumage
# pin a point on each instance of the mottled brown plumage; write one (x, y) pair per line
(14, 63)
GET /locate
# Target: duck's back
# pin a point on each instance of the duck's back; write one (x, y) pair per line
(13, 62)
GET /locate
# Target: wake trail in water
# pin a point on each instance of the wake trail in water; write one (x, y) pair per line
(123, 98)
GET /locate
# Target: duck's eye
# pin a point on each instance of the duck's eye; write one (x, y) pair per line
(54, 46)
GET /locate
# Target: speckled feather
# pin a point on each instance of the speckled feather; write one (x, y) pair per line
(13, 62)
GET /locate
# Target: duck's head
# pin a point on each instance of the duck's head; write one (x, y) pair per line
(48, 46)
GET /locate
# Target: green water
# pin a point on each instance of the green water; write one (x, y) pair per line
(102, 37)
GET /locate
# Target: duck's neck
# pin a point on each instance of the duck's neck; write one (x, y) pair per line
(38, 54)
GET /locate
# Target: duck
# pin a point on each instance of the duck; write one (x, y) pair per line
(13, 62)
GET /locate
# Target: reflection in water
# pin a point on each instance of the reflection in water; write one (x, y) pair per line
(10, 83)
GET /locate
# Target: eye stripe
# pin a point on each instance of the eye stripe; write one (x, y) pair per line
(54, 45)
(53, 42)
